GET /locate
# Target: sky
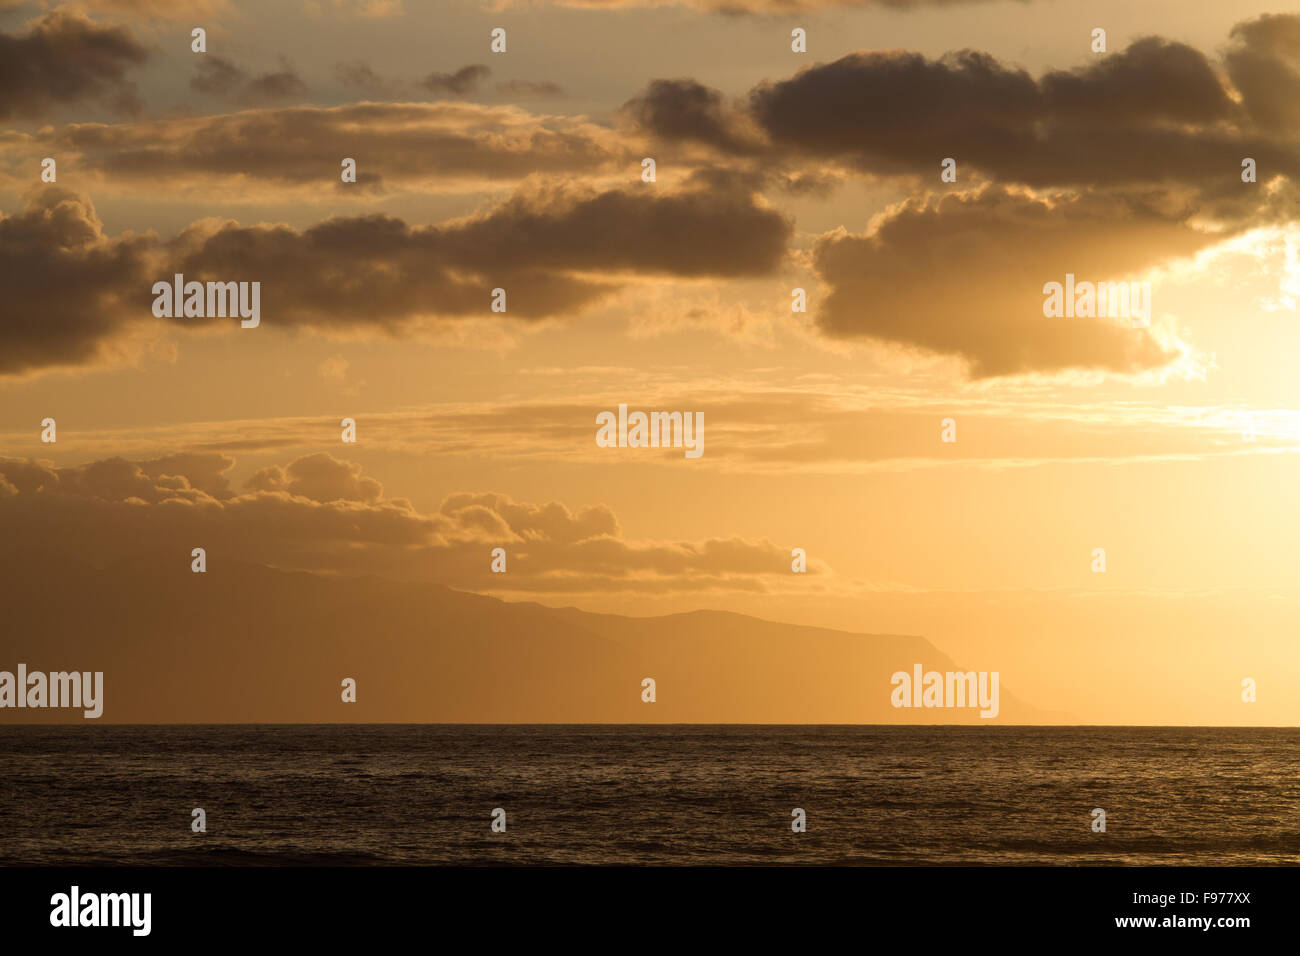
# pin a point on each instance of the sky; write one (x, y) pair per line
(1169, 446)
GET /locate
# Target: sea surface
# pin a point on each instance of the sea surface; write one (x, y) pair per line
(692, 795)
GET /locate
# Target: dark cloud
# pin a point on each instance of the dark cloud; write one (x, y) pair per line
(1105, 168)
(765, 176)
(1152, 80)
(145, 9)
(67, 58)
(466, 81)
(530, 89)
(72, 288)
(217, 76)
(66, 286)
(463, 82)
(1264, 65)
(1156, 113)
(772, 7)
(684, 110)
(377, 271)
(282, 84)
(722, 232)
(897, 108)
(359, 75)
(963, 275)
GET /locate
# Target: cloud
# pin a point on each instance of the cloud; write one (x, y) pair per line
(769, 7)
(380, 273)
(322, 514)
(530, 89)
(362, 9)
(146, 9)
(359, 75)
(684, 110)
(66, 58)
(1153, 80)
(1156, 113)
(505, 520)
(442, 145)
(201, 470)
(1103, 171)
(72, 288)
(280, 85)
(463, 82)
(963, 275)
(759, 422)
(319, 477)
(66, 286)
(720, 232)
(216, 76)
(334, 369)
(1264, 65)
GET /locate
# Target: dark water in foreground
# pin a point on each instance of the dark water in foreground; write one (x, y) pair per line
(640, 794)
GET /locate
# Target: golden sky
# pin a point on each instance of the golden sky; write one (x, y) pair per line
(1171, 446)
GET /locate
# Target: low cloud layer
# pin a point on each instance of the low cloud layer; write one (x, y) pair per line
(319, 513)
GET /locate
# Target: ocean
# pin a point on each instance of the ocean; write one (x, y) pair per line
(641, 794)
